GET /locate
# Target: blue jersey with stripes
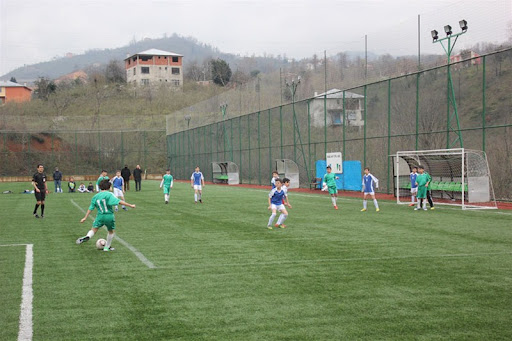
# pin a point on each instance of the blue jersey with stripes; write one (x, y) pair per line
(413, 180)
(273, 182)
(117, 182)
(276, 197)
(197, 177)
(368, 181)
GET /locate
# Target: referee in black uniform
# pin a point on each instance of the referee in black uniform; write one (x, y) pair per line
(40, 189)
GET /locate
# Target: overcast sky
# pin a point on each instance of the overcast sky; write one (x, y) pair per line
(33, 31)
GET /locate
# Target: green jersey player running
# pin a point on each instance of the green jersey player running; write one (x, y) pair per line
(103, 202)
(329, 183)
(103, 176)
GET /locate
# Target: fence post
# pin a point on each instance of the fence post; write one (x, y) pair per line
(269, 142)
(417, 107)
(240, 143)
(76, 153)
(309, 137)
(344, 125)
(389, 130)
(122, 149)
(281, 129)
(365, 123)
(145, 151)
(259, 150)
(483, 103)
(249, 144)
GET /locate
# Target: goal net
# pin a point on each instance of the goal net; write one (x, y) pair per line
(459, 177)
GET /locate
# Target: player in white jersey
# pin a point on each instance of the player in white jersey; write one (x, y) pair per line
(118, 188)
(368, 188)
(197, 183)
(414, 187)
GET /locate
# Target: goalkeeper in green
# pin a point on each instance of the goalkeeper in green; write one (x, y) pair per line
(329, 183)
(422, 181)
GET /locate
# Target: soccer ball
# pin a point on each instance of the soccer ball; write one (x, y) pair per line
(100, 243)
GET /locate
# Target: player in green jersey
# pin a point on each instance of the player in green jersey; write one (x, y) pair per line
(422, 181)
(103, 176)
(103, 202)
(167, 182)
(329, 183)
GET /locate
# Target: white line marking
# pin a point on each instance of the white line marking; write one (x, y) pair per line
(332, 260)
(137, 253)
(25, 330)
(14, 245)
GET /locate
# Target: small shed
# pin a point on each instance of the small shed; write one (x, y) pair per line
(288, 169)
(225, 172)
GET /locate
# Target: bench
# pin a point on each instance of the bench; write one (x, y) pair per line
(221, 178)
(316, 183)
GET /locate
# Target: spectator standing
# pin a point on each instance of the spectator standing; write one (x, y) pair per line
(125, 174)
(57, 179)
(137, 176)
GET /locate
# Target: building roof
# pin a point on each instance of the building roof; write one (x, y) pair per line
(9, 84)
(338, 94)
(155, 52)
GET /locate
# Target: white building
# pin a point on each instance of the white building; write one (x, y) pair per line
(354, 109)
(154, 67)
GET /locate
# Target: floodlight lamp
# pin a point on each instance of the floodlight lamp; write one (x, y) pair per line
(463, 25)
(448, 30)
(435, 35)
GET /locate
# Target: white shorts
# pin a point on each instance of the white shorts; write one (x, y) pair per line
(198, 187)
(370, 193)
(279, 207)
(118, 193)
(414, 190)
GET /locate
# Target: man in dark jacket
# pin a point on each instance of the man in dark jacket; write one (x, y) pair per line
(57, 179)
(125, 174)
(137, 176)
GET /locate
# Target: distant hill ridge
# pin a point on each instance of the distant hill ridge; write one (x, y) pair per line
(189, 47)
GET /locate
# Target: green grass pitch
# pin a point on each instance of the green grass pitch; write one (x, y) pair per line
(221, 275)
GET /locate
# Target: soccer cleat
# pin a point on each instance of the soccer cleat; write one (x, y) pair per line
(106, 249)
(276, 225)
(363, 210)
(377, 209)
(424, 209)
(82, 240)
(412, 204)
(335, 207)
(283, 226)
(195, 202)
(201, 201)
(116, 209)
(416, 208)
(432, 208)
(125, 208)
(269, 227)
(35, 215)
(42, 216)
(166, 202)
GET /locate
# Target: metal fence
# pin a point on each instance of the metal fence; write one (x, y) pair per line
(81, 152)
(367, 123)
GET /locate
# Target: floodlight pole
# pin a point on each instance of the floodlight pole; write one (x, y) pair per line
(296, 130)
(452, 113)
(223, 109)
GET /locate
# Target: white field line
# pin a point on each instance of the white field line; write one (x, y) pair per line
(137, 253)
(27, 295)
(335, 260)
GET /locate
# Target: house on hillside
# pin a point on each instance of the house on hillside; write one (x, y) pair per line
(152, 67)
(14, 92)
(354, 109)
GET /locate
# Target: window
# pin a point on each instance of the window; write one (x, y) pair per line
(145, 58)
(337, 117)
(134, 70)
(166, 68)
(175, 59)
(175, 82)
(144, 81)
(144, 70)
(175, 70)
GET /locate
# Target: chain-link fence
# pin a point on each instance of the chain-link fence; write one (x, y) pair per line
(81, 152)
(368, 123)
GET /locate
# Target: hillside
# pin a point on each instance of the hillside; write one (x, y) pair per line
(193, 50)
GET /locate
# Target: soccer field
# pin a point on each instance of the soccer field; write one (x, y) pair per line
(213, 271)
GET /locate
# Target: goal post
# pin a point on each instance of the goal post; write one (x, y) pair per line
(460, 177)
